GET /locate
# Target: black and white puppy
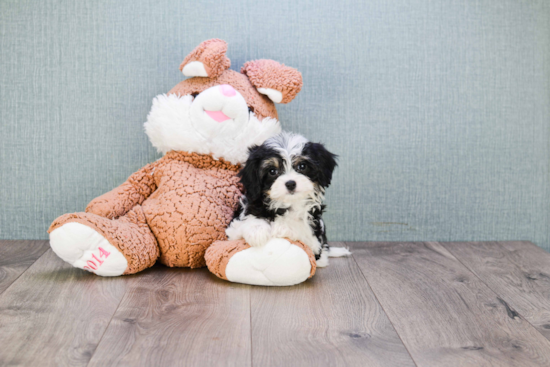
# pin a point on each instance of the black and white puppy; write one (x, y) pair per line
(285, 180)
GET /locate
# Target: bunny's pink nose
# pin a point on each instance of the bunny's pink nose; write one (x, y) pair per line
(228, 90)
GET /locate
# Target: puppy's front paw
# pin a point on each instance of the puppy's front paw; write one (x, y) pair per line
(233, 233)
(258, 235)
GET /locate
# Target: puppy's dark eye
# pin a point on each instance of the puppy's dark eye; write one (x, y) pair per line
(250, 109)
(301, 167)
(273, 172)
(194, 95)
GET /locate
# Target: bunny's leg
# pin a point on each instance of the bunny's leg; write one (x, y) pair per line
(106, 247)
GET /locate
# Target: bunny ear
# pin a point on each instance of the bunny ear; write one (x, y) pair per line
(207, 60)
(280, 83)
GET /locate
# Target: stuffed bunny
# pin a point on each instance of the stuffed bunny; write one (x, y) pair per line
(175, 208)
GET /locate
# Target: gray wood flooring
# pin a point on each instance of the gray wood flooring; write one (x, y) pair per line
(390, 304)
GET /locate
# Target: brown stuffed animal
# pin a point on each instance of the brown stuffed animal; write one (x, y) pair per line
(175, 208)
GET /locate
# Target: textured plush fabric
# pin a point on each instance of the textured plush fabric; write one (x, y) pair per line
(212, 54)
(193, 202)
(261, 104)
(255, 74)
(439, 110)
(192, 206)
(271, 74)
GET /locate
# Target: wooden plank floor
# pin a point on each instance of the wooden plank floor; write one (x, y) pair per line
(390, 304)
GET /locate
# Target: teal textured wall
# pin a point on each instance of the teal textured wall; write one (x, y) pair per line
(439, 110)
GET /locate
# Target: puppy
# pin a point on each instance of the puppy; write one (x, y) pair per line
(285, 180)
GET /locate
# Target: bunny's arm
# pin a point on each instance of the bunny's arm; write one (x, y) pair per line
(120, 200)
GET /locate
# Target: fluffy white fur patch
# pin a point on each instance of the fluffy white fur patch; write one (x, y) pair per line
(288, 145)
(256, 232)
(338, 252)
(176, 123)
(322, 262)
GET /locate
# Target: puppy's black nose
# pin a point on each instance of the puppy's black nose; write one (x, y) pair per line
(290, 185)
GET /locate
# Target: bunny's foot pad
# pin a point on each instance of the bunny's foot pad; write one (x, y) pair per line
(85, 248)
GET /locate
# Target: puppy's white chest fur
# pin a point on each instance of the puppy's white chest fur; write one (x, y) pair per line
(295, 225)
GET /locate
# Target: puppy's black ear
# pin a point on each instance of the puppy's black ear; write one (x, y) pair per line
(250, 174)
(325, 160)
